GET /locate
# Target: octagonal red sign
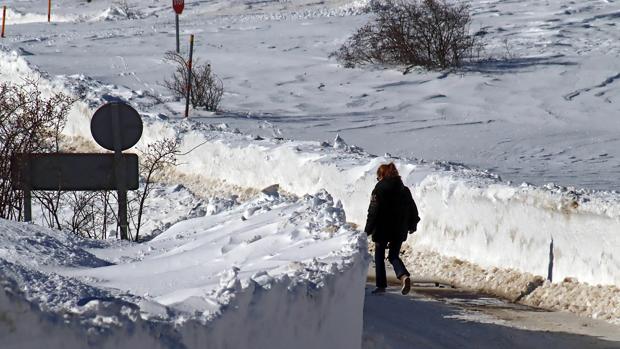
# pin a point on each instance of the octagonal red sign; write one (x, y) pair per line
(178, 6)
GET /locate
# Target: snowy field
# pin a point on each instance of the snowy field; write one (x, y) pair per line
(541, 109)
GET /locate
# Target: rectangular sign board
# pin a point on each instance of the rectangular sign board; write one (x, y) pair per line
(71, 172)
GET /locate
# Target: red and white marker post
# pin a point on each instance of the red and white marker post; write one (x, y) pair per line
(3, 20)
(178, 6)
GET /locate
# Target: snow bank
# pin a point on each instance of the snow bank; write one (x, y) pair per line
(552, 232)
(15, 69)
(516, 236)
(549, 232)
(19, 17)
(275, 272)
(116, 13)
(599, 302)
(280, 317)
(260, 11)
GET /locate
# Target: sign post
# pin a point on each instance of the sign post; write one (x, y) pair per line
(118, 171)
(27, 197)
(49, 11)
(178, 6)
(189, 75)
(176, 17)
(117, 126)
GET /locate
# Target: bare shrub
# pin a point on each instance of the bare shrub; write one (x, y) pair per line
(91, 214)
(81, 220)
(29, 123)
(51, 203)
(157, 157)
(430, 33)
(106, 213)
(207, 88)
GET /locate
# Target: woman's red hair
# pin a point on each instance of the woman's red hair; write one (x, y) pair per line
(387, 171)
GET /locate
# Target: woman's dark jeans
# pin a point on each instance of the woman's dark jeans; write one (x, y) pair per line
(393, 257)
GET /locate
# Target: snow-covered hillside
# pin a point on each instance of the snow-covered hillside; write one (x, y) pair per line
(541, 109)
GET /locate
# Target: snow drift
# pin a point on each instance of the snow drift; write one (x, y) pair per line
(290, 273)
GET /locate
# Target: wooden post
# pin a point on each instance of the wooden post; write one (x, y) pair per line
(178, 41)
(189, 74)
(119, 170)
(49, 11)
(3, 20)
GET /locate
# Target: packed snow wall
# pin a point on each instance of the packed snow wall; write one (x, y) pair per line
(552, 232)
(286, 315)
(45, 302)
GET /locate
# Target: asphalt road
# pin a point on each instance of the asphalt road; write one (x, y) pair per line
(434, 317)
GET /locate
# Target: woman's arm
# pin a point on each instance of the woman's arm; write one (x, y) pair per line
(413, 215)
(371, 219)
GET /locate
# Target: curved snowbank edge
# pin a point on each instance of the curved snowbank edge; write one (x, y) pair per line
(287, 311)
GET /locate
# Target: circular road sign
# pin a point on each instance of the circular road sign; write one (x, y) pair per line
(129, 125)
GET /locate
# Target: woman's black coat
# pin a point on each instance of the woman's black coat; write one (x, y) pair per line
(392, 212)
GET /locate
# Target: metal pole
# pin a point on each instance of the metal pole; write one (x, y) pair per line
(49, 11)
(26, 186)
(178, 41)
(3, 20)
(189, 74)
(27, 205)
(119, 168)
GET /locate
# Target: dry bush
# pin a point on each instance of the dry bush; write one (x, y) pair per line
(207, 88)
(50, 202)
(430, 33)
(29, 123)
(157, 158)
(82, 220)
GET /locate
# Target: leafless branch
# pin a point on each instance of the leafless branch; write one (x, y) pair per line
(207, 88)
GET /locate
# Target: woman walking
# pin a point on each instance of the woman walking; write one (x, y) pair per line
(391, 215)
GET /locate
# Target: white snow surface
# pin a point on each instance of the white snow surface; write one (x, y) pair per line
(543, 109)
(290, 271)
